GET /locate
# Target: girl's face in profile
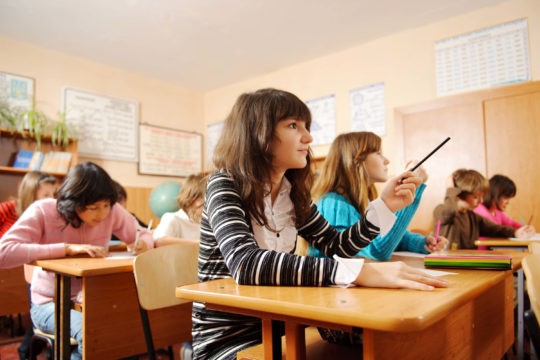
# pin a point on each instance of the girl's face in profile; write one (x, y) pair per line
(95, 213)
(45, 190)
(290, 145)
(376, 166)
(503, 202)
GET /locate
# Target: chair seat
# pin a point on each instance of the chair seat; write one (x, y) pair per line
(39, 332)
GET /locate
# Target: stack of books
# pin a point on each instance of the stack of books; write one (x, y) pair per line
(469, 261)
(52, 161)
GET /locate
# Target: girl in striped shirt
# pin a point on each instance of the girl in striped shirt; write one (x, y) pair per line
(258, 201)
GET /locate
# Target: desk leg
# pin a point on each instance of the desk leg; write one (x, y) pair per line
(62, 309)
(295, 341)
(271, 339)
(521, 305)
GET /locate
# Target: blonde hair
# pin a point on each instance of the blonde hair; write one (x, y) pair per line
(469, 181)
(28, 188)
(343, 170)
(192, 190)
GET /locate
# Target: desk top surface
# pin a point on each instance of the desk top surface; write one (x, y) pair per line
(361, 307)
(86, 266)
(504, 242)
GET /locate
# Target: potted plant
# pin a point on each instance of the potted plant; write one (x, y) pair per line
(61, 131)
(8, 117)
(33, 123)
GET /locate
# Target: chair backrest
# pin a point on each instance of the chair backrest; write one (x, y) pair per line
(534, 247)
(159, 271)
(531, 268)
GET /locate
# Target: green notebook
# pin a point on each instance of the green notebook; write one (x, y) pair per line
(469, 261)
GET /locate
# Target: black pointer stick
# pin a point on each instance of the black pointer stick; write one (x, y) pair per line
(428, 155)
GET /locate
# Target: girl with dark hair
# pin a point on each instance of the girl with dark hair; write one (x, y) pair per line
(79, 221)
(501, 190)
(256, 204)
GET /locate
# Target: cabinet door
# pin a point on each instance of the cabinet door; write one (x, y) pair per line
(424, 130)
(512, 126)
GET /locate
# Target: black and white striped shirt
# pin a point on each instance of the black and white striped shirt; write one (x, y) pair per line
(228, 249)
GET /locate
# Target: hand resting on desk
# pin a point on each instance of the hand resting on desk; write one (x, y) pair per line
(92, 250)
(525, 232)
(396, 275)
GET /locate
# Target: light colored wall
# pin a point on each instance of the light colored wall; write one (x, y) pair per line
(160, 103)
(405, 62)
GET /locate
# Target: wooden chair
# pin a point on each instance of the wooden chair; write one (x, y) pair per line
(157, 273)
(534, 247)
(531, 268)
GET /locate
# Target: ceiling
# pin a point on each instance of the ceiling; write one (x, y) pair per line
(205, 44)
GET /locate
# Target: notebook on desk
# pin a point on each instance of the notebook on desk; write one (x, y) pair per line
(469, 261)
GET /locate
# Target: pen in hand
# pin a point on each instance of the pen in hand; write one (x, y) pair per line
(437, 230)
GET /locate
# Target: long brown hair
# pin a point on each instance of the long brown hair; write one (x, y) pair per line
(29, 186)
(243, 150)
(343, 170)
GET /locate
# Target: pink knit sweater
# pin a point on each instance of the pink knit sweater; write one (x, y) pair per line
(40, 233)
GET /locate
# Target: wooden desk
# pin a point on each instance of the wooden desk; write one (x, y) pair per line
(520, 245)
(13, 292)
(472, 319)
(111, 322)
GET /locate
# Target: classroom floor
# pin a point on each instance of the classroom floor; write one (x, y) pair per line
(11, 332)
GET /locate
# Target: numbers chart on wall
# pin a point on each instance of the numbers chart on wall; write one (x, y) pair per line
(169, 152)
(107, 126)
(489, 57)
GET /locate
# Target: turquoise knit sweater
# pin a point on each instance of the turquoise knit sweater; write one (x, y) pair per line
(341, 214)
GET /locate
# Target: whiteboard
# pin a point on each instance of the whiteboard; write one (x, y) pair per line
(169, 152)
(106, 126)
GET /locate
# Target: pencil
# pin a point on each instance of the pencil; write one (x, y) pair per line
(530, 220)
(431, 153)
(437, 230)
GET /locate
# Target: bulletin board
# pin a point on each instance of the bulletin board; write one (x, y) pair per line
(169, 152)
(106, 125)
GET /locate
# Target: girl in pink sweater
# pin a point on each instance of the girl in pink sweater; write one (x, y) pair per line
(79, 221)
(501, 190)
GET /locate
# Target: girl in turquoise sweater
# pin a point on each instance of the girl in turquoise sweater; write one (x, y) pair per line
(357, 158)
(345, 185)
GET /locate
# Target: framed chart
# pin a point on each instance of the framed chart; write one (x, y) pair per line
(17, 91)
(169, 152)
(107, 125)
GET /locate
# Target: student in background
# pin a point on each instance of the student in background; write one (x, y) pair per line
(501, 190)
(79, 221)
(35, 185)
(184, 223)
(459, 223)
(256, 204)
(346, 185)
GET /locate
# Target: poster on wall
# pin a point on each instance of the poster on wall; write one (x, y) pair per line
(169, 152)
(489, 57)
(213, 132)
(107, 126)
(323, 119)
(367, 109)
(17, 91)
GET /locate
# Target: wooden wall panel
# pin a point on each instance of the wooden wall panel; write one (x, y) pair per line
(512, 127)
(424, 130)
(138, 202)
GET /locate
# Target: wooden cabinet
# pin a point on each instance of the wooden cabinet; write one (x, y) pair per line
(494, 131)
(10, 143)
